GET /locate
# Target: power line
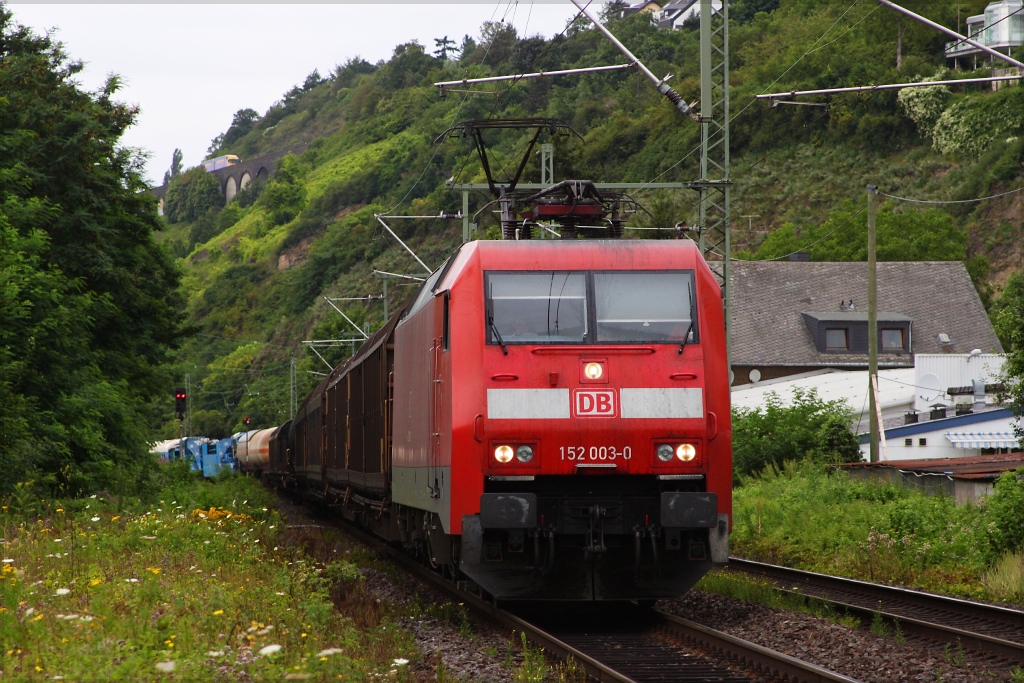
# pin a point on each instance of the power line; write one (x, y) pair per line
(753, 100)
(952, 201)
(808, 246)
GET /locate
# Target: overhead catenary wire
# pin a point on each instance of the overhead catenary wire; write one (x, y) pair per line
(951, 201)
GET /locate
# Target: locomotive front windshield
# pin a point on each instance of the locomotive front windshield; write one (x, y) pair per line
(577, 307)
(537, 307)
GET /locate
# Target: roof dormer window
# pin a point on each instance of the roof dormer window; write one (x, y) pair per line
(893, 340)
(837, 339)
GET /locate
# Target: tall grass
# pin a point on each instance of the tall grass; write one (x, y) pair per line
(807, 517)
(200, 585)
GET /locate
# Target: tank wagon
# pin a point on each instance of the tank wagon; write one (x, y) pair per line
(547, 418)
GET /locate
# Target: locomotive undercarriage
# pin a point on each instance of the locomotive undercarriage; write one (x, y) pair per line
(562, 538)
(593, 538)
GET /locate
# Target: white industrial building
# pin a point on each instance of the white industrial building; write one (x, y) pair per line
(943, 407)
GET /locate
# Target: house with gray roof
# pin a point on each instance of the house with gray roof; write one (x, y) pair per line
(790, 317)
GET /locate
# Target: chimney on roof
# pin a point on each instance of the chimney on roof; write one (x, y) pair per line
(945, 342)
(800, 256)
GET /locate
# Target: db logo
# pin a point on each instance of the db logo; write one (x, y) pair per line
(594, 403)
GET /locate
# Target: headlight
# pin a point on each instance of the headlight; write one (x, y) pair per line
(503, 454)
(686, 452)
(593, 370)
(664, 452)
(524, 453)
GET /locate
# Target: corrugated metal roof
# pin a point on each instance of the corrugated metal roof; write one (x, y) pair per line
(895, 388)
(973, 467)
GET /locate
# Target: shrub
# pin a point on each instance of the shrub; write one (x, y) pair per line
(285, 194)
(1005, 513)
(971, 125)
(191, 195)
(809, 428)
(924, 106)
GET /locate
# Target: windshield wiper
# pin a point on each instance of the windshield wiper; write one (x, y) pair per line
(497, 335)
(689, 329)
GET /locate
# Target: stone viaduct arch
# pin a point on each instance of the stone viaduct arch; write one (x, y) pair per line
(234, 179)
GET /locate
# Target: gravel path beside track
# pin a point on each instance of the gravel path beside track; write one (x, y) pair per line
(853, 652)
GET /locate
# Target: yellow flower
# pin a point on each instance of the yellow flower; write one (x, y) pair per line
(218, 612)
(59, 510)
(115, 518)
(169, 643)
(153, 570)
(302, 635)
(95, 582)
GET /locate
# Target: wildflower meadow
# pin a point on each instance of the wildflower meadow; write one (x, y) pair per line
(201, 583)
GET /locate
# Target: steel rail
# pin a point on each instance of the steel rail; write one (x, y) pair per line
(745, 653)
(884, 601)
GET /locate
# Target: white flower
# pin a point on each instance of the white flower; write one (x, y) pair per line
(29, 611)
(265, 631)
(92, 496)
(278, 593)
(329, 652)
(131, 580)
(165, 667)
(8, 560)
(94, 519)
(62, 591)
(150, 538)
(215, 653)
(400, 662)
(269, 650)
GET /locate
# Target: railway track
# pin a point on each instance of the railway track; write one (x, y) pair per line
(985, 628)
(642, 646)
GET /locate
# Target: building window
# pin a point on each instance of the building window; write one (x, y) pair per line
(922, 442)
(908, 442)
(837, 339)
(892, 340)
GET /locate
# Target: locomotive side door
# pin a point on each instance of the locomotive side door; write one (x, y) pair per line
(439, 344)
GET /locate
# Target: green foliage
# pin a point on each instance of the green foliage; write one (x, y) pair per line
(1008, 320)
(1006, 513)
(926, 105)
(808, 428)
(744, 10)
(175, 166)
(191, 195)
(972, 124)
(88, 298)
(803, 516)
(910, 235)
(203, 579)
(285, 194)
(241, 124)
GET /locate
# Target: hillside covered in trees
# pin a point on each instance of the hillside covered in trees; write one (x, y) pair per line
(257, 270)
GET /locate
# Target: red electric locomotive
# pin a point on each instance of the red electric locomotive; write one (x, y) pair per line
(549, 418)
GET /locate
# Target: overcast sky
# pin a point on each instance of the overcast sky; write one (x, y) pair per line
(190, 67)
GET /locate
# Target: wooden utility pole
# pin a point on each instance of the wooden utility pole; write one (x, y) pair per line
(872, 326)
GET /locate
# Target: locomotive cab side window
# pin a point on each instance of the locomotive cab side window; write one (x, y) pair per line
(577, 307)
